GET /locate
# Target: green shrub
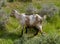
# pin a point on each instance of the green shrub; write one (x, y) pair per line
(48, 9)
(2, 3)
(20, 0)
(47, 39)
(10, 0)
(3, 19)
(26, 0)
(30, 9)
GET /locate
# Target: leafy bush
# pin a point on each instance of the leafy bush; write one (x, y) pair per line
(20, 0)
(47, 39)
(22, 40)
(10, 0)
(30, 9)
(2, 3)
(26, 0)
(48, 9)
(3, 19)
(2, 26)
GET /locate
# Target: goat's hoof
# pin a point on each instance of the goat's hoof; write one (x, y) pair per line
(20, 35)
(43, 34)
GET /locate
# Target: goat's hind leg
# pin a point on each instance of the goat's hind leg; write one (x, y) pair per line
(36, 31)
(40, 30)
(33, 28)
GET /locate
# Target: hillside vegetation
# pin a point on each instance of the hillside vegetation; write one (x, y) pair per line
(8, 25)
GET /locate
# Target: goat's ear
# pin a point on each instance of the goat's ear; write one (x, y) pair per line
(13, 10)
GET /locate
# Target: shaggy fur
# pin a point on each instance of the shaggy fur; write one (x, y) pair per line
(28, 21)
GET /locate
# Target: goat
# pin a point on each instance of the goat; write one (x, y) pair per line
(28, 21)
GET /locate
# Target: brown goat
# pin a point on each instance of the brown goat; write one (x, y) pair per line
(28, 21)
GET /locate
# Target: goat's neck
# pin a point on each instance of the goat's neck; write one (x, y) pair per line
(17, 16)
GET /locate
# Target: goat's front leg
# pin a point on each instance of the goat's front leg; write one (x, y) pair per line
(22, 31)
(26, 29)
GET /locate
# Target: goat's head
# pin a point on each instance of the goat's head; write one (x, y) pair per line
(14, 13)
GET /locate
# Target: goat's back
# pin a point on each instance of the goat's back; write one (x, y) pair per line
(30, 20)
